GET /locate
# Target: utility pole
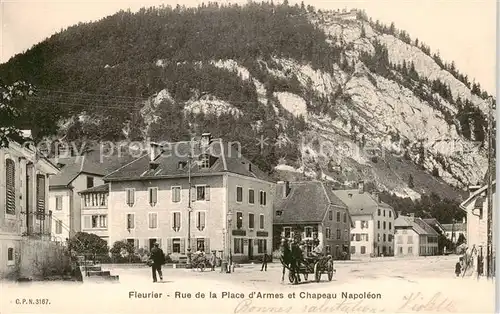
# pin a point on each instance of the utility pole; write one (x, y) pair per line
(491, 160)
(189, 265)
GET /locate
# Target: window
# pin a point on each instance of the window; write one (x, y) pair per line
(410, 239)
(389, 237)
(287, 232)
(95, 221)
(10, 183)
(328, 249)
(358, 237)
(132, 242)
(261, 221)
(390, 214)
(330, 215)
(10, 256)
(239, 220)
(384, 237)
(239, 194)
(353, 249)
(363, 250)
(345, 217)
(400, 250)
(308, 232)
(90, 182)
(200, 244)
(379, 211)
(238, 246)
(338, 234)
(200, 220)
(251, 221)
(346, 235)
(262, 246)
(176, 223)
(337, 251)
(176, 194)
(338, 216)
(130, 221)
(364, 224)
(58, 226)
(263, 198)
(176, 245)
(384, 212)
(205, 161)
(390, 225)
(410, 250)
(378, 237)
(40, 196)
(400, 239)
(327, 233)
(103, 221)
(251, 196)
(384, 225)
(153, 196)
(378, 224)
(58, 202)
(130, 197)
(153, 220)
(202, 193)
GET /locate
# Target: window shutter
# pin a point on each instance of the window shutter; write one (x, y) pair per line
(169, 245)
(193, 195)
(207, 245)
(136, 244)
(10, 191)
(183, 246)
(202, 220)
(146, 244)
(207, 193)
(159, 243)
(86, 222)
(40, 196)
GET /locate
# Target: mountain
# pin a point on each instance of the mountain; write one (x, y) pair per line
(308, 94)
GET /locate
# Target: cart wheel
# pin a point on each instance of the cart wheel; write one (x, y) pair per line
(291, 277)
(201, 266)
(306, 275)
(330, 271)
(317, 272)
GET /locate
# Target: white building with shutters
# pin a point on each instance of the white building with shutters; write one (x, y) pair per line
(228, 208)
(94, 205)
(24, 186)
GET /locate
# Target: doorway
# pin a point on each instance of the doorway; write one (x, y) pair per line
(250, 249)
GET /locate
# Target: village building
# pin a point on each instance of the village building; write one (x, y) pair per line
(414, 237)
(94, 205)
(24, 185)
(308, 211)
(373, 231)
(454, 230)
(201, 194)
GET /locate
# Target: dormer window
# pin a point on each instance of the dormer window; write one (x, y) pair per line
(279, 213)
(205, 161)
(181, 165)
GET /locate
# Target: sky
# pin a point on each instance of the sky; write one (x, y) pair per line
(462, 31)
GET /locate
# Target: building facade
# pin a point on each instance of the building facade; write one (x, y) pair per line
(455, 230)
(414, 237)
(24, 185)
(308, 211)
(205, 195)
(94, 208)
(373, 232)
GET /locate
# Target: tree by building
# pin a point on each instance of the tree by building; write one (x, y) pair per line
(88, 244)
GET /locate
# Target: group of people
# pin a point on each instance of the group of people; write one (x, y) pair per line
(295, 253)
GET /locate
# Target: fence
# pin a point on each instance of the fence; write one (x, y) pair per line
(40, 259)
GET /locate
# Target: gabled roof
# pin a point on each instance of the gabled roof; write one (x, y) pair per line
(307, 201)
(360, 203)
(455, 227)
(224, 158)
(100, 188)
(477, 196)
(433, 222)
(91, 163)
(415, 223)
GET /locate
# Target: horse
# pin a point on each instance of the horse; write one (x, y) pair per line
(286, 259)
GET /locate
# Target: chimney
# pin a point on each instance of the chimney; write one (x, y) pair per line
(361, 187)
(376, 196)
(154, 151)
(206, 139)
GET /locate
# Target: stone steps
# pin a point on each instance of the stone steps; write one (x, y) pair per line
(100, 273)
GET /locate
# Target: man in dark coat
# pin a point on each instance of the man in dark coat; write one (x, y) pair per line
(265, 258)
(157, 258)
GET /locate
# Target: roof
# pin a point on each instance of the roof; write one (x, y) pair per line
(95, 189)
(415, 223)
(224, 158)
(455, 227)
(308, 201)
(433, 222)
(91, 163)
(477, 196)
(360, 203)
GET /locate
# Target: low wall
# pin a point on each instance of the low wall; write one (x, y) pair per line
(40, 259)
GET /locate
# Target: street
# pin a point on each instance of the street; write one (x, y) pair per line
(378, 285)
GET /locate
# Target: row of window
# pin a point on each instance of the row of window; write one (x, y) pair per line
(384, 225)
(175, 245)
(338, 236)
(94, 200)
(95, 221)
(344, 216)
(200, 220)
(409, 241)
(239, 243)
(363, 250)
(383, 211)
(201, 193)
(251, 196)
(386, 237)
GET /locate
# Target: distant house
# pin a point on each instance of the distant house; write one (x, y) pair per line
(310, 210)
(94, 208)
(454, 230)
(434, 223)
(373, 230)
(476, 207)
(414, 237)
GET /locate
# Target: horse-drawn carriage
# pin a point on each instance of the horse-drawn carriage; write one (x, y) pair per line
(311, 265)
(200, 261)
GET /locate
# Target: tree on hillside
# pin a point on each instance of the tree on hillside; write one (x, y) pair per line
(88, 244)
(11, 97)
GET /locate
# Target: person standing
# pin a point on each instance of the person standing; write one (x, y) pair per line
(213, 260)
(157, 258)
(264, 262)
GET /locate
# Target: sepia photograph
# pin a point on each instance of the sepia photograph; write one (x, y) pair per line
(248, 156)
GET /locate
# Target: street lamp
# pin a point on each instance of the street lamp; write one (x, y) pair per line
(229, 233)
